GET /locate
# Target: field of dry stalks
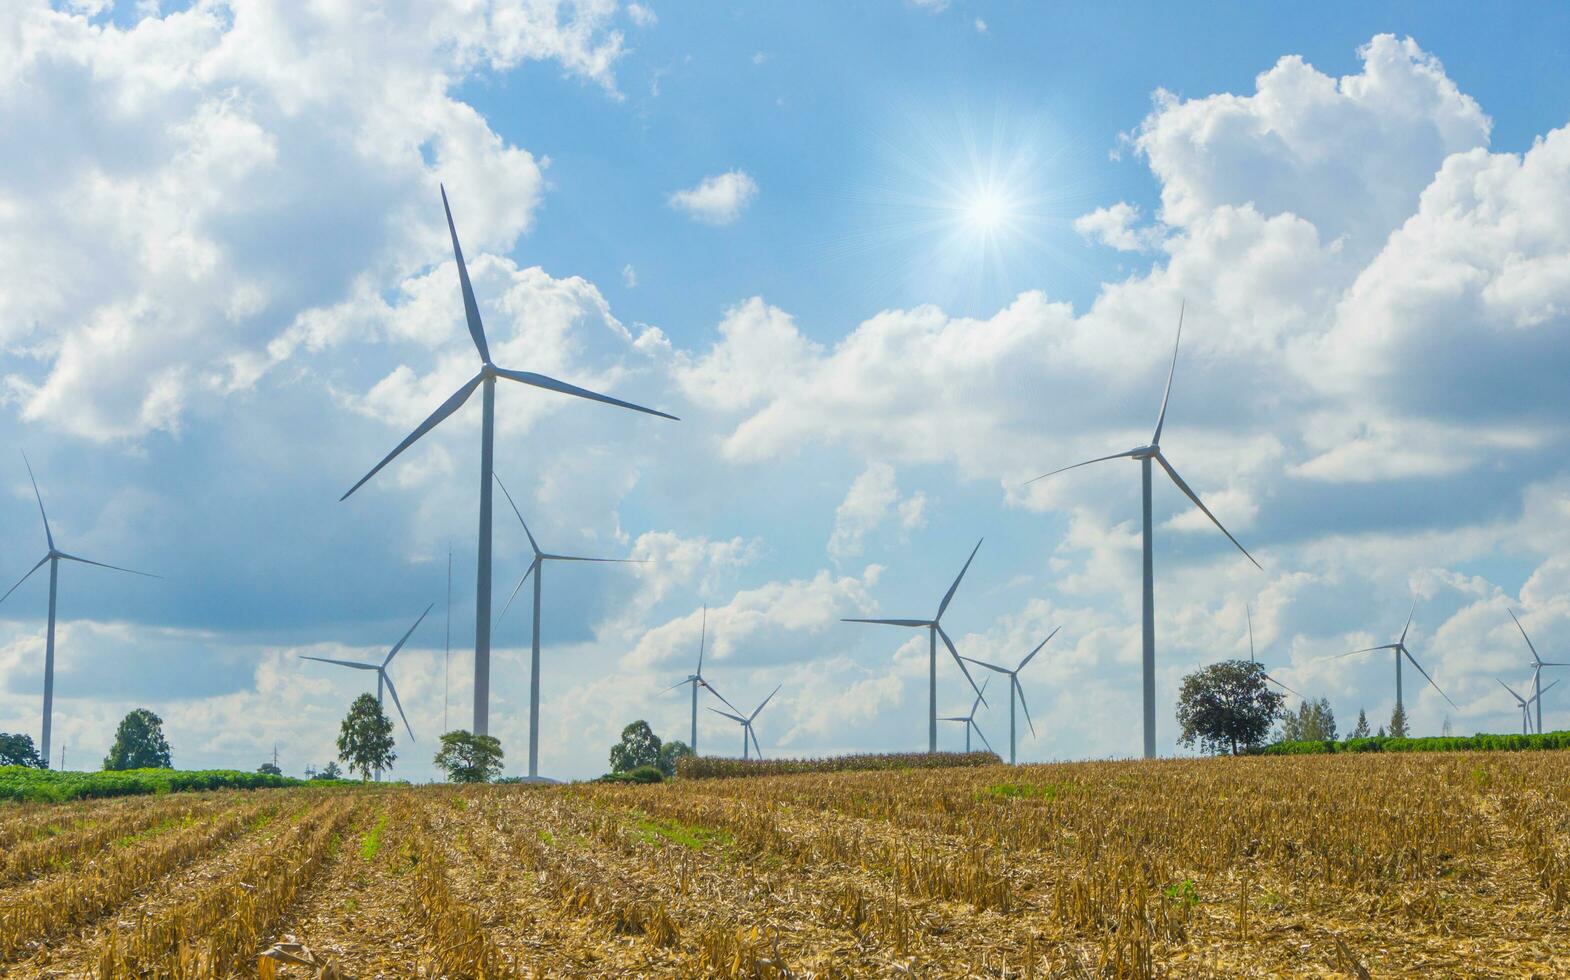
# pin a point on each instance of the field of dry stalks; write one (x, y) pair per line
(1376, 865)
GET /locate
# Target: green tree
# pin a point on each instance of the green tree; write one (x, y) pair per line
(639, 746)
(365, 740)
(1398, 722)
(671, 753)
(19, 750)
(1227, 707)
(329, 771)
(1361, 729)
(470, 758)
(139, 743)
(268, 768)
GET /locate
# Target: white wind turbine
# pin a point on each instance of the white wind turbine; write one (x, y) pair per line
(1015, 689)
(382, 677)
(934, 628)
(486, 381)
(1399, 649)
(697, 680)
(970, 719)
(537, 569)
(1526, 706)
(54, 557)
(1538, 663)
(1145, 454)
(746, 723)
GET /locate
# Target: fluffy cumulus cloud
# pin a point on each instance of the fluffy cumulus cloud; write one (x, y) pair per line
(717, 200)
(217, 218)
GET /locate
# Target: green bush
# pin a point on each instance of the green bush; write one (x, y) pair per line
(713, 767)
(23, 784)
(640, 774)
(1481, 742)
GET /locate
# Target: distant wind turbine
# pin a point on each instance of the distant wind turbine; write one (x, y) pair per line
(485, 380)
(697, 680)
(537, 569)
(970, 720)
(934, 628)
(1538, 663)
(746, 723)
(1016, 689)
(1526, 706)
(1400, 650)
(1145, 454)
(382, 677)
(1254, 660)
(54, 557)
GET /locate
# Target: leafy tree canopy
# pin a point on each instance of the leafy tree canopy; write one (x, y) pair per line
(139, 743)
(365, 740)
(470, 758)
(639, 746)
(1226, 707)
(329, 771)
(269, 768)
(1312, 722)
(1360, 730)
(672, 752)
(1398, 722)
(19, 750)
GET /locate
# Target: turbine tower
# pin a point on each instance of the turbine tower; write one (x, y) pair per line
(537, 569)
(54, 557)
(382, 677)
(697, 680)
(1400, 650)
(1016, 689)
(1526, 706)
(970, 720)
(1254, 660)
(1538, 663)
(486, 380)
(1145, 454)
(746, 723)
(934, 628)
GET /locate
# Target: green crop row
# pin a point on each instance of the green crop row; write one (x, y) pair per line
(1442, 743)
(23, 784)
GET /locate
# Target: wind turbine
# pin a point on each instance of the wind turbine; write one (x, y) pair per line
(537, 569)
(697, 680)
(1016, 689)
(1399, 648)
(1538, 663)
(934, 628)
(1254, 660)
(970, 720)
(382, 677)
(746, 723)
(54, 557)
(1526, 705)
(1145, 454)
(485, 380)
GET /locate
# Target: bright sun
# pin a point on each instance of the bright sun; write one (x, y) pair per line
(987, 210)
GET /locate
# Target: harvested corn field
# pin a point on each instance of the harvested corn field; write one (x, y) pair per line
(1370, 865)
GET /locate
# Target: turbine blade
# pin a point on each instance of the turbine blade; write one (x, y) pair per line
(1200, 504)
(88, 561)
(961, 662)
(1098, 459)
(1250, 616)
(405, 638)
(765, 702)
(703, 638)
(613, 561)
(1162, 418)
(1408, 624)
(948, 596)
(24, 578)
(983, 663)
(1430, 680)
(723, 699)
(40, 497)
(532, 543)
(451, 405)
(1548, 688)
(922, 623)
(1284, 687)
(1528, 639)
(551, 384)
(755, 746)
(399, 705)
(518, 588)
(1020, 688)
(1385, 646)
(341, 663)
(977, 729)
(471, 310)
(1031, 655)
(1523, 702)
(728, 715)
(676, 685)
(956, 718)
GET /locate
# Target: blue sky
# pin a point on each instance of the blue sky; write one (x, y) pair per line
(225, 292)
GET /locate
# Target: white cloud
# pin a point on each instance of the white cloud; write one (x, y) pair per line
(872, 499)
(981, 26)
(1115, 227)
(629, 276)
(717, 200)
(642, 14)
